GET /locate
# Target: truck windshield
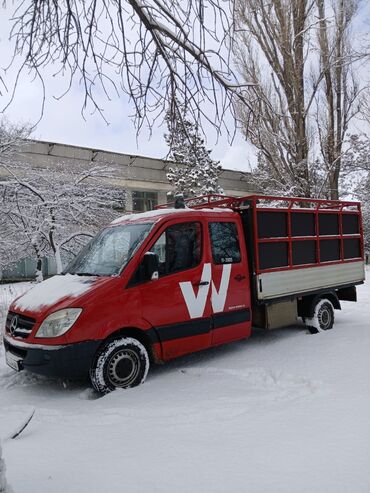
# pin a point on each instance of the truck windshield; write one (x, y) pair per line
(109, 251)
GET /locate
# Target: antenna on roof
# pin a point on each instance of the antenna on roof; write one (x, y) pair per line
(179, 201)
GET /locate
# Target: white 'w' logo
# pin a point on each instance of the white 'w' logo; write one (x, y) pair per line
(196, 303)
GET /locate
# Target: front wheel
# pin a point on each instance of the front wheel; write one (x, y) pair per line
(323, 318)
(121, 363)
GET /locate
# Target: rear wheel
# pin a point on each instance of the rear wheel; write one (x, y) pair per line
(121, 363)
(323, 318)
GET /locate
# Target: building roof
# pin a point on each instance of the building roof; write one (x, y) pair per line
(133, 171)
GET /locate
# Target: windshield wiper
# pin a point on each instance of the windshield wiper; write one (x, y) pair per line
(84, 274)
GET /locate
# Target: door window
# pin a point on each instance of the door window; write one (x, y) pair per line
(179, 248)
(224, 242)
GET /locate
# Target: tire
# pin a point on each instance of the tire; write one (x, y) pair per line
(323, 318)
(121, 363)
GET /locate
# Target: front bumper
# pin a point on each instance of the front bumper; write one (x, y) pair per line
(71, 361)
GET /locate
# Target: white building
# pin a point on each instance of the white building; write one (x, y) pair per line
(143, 178)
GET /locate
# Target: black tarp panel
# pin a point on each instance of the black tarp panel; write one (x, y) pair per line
(273, 255)
(304, 252)
(328, 224)
(272, 224)
(303, 224)
(329, 250)
(351, 248)
(350, 224)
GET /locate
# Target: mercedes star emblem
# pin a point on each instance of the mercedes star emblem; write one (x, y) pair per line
(13, 325)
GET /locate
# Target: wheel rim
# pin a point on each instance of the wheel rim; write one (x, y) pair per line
(123, 368)
(325, 319)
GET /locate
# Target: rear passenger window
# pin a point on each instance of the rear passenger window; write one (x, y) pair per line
(224, 242)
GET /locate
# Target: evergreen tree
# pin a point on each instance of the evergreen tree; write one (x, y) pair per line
(194, 172)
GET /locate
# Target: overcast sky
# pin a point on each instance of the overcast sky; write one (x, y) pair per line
(62, 120)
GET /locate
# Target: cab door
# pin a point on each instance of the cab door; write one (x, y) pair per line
(177, 304)
(230, 289)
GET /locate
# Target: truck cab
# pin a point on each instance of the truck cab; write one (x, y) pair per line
(170, 282)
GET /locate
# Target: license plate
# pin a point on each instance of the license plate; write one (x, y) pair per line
(13, 361)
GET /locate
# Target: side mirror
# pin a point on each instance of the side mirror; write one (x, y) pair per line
(151, 266)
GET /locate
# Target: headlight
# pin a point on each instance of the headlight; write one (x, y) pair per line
(58, 323)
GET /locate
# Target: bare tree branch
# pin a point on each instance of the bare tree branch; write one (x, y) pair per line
(153, 51)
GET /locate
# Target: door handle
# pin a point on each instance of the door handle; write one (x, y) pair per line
(239, 277)
(201, 283)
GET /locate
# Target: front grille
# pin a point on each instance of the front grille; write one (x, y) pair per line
(22, 328)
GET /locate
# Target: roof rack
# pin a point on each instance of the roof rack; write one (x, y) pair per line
(201, 201)
(264, 201)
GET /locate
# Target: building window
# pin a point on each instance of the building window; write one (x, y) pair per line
(144, 201)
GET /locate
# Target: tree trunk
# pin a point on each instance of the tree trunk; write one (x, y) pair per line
(54, 245)
(39, 276)
(307, 99)
(335, 63)
(58, 259)
(3, 483)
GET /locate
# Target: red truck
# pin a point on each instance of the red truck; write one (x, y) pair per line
(157, 285)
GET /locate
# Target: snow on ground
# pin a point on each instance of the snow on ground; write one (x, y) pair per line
(284, 411)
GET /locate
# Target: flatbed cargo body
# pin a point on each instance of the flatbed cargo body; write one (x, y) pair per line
(304, 245)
